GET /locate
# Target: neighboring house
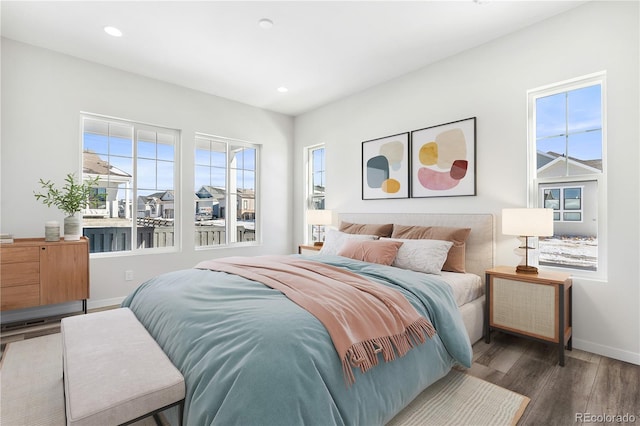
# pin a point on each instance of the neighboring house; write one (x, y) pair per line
(157, 205)
(211, 200)
(318, 197)
(111, 180)
(551, 164)
(246, 204)
(584, 206)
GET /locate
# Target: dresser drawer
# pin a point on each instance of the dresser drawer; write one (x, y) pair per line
(24, 296)
(19, 254)
(19, 274)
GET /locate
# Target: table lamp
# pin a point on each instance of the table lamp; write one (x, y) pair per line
(318, 218)
(527, 223)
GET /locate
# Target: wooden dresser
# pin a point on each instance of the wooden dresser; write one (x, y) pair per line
(34, 272)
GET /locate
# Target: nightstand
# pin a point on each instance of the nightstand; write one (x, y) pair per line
(308, 249)
(535, 306)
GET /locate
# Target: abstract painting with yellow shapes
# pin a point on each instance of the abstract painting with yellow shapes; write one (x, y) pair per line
(385, 167)
(443, 160)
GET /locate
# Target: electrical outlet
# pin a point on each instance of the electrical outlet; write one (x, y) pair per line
(128, 275)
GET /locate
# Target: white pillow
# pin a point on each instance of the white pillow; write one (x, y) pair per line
(334, 239)
(426, 256)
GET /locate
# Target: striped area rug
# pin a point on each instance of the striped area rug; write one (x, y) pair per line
(32, 390)
(32, 393)
(31, 373)
(460, 399)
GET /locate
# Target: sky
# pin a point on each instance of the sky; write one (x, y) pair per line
(155, 160)
(156, 165)
(579, 112)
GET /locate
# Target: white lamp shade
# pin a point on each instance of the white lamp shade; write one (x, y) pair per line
(527, 222)
(319, 217)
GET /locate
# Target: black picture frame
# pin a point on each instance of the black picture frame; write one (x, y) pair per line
(443, 160)
(385, 167)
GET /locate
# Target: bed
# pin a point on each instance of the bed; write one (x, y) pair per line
(251, 356)
(479, 252)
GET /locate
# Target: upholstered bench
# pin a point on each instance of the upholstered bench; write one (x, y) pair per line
(114, 371)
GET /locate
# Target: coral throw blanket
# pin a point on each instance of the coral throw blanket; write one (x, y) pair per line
(363, 318)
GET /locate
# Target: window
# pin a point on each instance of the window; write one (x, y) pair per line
(566, 203)
(97, 198)
(317, 175)
(316, 188)
(225, 191)
(135, 198)
(567, 170)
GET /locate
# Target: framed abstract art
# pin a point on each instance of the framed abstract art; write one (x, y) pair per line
(443, 160)
(385, 167)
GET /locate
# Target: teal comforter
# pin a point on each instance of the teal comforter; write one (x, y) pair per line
(250, 356)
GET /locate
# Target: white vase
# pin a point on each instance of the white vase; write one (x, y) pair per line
(52, 231)
(72, 228)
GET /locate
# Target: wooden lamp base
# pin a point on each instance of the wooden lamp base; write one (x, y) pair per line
(526, 269)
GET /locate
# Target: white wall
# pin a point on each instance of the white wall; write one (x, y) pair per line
(490, 83)
(42, 95)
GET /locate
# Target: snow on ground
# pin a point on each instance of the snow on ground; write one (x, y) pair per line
(580, 252)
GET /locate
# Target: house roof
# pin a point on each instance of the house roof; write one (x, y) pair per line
(92, 163)
(208, 191)
(550, 158)
(162, 195)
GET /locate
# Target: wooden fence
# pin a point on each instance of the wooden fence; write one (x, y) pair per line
(109, 239)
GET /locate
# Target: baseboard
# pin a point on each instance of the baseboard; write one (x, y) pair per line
(104, 303)
(608, 351)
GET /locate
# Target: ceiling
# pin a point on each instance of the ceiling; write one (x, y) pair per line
(320, 50)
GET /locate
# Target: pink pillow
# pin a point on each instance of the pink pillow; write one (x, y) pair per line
(383, 230)
(373, 251)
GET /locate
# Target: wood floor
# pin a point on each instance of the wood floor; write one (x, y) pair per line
(588, 384)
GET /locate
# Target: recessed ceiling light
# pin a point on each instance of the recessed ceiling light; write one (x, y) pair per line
(282, 89)
(113, 31)
(265, 23)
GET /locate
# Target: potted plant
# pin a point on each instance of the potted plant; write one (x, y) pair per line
(71, 198)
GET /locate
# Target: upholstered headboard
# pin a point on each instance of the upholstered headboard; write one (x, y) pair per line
(479, 250)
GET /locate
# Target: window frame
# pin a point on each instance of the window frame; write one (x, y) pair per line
(135, 127)
(310, 189)
(534, 197)
(257, 209)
